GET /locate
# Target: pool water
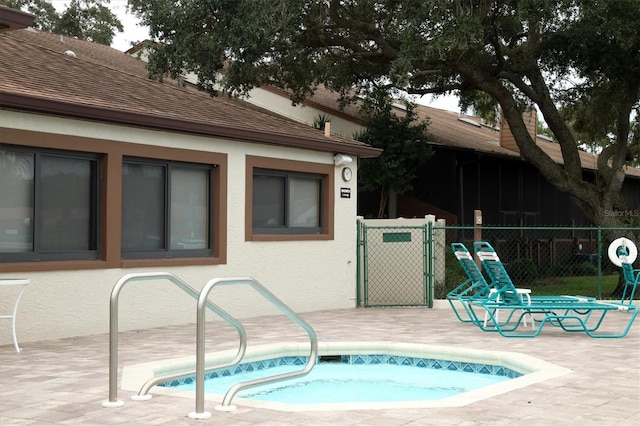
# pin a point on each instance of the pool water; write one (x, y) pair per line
(333, 382)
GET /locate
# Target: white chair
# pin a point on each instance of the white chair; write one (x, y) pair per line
(526, 292)
(22, 282)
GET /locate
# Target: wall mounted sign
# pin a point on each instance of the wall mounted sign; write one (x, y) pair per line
(396, 237)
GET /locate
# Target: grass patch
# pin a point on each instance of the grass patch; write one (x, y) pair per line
(584, 286)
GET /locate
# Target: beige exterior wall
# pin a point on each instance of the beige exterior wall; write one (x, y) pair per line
(282, 106)
(302, 113)
(306, 275)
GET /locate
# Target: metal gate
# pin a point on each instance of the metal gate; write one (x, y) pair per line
(395, 260)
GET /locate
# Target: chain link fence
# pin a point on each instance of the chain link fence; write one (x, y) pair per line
(549, 260)
(393, 259)
(408, 262)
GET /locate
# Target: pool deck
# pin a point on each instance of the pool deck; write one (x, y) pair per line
(65, 381)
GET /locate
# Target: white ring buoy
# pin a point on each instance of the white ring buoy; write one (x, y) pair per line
(626, 243)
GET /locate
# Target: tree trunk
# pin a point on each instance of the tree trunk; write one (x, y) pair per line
(384, 196)
(601, 201)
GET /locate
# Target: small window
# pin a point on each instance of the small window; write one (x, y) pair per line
(166, 209)
(288, 200)
(48, 205)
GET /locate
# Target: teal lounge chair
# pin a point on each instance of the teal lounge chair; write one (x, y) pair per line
(570, 313)
(475, 287)
(631, 276)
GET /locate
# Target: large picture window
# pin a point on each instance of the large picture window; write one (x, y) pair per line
(288, 200)
(48, 205)
(72, 202)
(166, 209)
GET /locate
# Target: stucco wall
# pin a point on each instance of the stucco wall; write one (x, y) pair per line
(302, 113)
(306, 275)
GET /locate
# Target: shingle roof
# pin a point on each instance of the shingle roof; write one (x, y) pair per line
(101, 83)
(450, 129)
(467, 132)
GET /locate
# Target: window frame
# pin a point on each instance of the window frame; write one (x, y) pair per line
(291, 167)
(39, 254)
(111, 154)
(287, 208)
(167, 252)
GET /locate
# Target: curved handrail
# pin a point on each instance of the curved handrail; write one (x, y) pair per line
(185, 373)
(113, 329)
(200, 343)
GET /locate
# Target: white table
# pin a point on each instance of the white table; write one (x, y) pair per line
(522, 292)
(22, 282)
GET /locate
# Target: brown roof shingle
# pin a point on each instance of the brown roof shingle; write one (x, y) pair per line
(450, 129)
(101, 83)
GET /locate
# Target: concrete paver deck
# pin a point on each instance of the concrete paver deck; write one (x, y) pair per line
(64, 381)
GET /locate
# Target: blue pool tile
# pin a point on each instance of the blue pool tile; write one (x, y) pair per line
(358, 359)
(377, 359)
(422, 363)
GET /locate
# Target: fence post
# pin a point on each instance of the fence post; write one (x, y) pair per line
(365, 271)
(599, 262)
(358, 260)
(440, 240)
(477, 230)
(429, 254)
(435, 240)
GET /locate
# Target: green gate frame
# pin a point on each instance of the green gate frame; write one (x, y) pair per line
(362, 255)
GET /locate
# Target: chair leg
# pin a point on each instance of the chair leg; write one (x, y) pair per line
(633, 292)
(13, 330)
(624, 293)
(486, 316)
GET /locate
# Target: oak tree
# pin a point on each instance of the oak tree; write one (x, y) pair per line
(559, 56)
(90, 20)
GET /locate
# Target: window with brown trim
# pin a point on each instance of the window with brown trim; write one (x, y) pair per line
(48, 205)
(61, 204)
(288, 200)
(166, 209)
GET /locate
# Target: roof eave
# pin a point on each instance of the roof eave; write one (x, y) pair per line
(107, 115)
(13, 19)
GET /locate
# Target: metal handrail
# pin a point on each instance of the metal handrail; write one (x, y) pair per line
(142, 394)
(200, 344)
(113, 332)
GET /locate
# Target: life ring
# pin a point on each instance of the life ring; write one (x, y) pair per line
(626, 243)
